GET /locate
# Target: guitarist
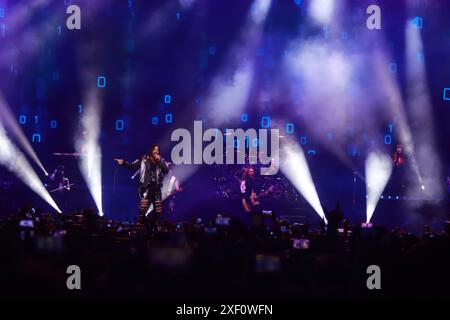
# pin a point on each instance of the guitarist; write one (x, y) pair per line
(249, 199)
(60, 184)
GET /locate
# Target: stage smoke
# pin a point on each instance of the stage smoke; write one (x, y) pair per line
(186, 4)
(26, 38)
(160, 21)
(228, 98)
(378, 172)
(323, 81)
(230, 89)
(15, 161)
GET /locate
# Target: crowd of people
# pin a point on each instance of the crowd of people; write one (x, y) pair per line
(223, 258)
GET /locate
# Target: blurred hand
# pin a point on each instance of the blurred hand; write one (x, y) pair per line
(119, 161)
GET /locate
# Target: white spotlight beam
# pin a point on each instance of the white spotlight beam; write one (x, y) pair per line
(378, 172)
(419, 103)
(15, 161)
(87, 143)
(396, 106)
(321, 10)
(295, 168)
(259, 11)
(11, 124)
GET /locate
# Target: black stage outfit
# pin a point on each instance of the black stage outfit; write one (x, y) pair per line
(151, 178)
(247, 188)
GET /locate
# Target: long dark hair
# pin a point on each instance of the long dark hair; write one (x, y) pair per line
(153, 148)
(245, 172)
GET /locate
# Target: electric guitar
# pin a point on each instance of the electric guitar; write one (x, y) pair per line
(249, 205)
(66, 187)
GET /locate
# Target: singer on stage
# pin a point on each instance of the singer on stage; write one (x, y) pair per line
(152, 170)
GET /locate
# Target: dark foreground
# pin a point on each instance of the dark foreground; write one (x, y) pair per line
(217, 259)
